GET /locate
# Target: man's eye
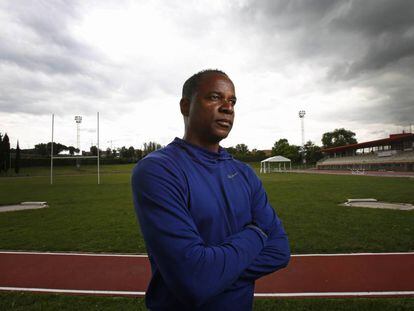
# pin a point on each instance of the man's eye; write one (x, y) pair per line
(232, 101)
(214, 97)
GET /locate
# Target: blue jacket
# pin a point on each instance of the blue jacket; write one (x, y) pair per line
(193, 207)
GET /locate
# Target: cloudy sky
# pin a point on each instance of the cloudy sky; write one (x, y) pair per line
(346, 63)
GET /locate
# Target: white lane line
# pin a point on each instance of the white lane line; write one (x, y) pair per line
(342, 294)
(73, 254)
(73, 291)
(263, 295)
(145, 255)
(353, 254)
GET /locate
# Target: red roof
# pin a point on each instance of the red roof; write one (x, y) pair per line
(373, 143)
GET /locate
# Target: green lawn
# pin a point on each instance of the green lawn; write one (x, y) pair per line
(84, 216)
(309, 207)
(72, 170)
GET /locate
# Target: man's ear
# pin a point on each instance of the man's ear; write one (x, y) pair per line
(185, 106)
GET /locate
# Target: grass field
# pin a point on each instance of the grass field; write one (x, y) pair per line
(86, 217)
(24, 301)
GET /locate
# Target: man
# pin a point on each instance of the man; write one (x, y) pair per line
(209, 229)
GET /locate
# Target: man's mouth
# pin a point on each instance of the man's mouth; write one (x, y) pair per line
(224, 123)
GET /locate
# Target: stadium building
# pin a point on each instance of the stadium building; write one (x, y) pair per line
(395, 153)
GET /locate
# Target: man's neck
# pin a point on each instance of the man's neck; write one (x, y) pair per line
(213, 147)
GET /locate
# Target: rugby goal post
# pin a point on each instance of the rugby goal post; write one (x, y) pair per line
(52, 158)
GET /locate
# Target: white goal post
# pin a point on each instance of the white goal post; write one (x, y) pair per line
(52, 158)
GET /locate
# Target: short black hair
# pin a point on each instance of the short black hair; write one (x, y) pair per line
(190, 86)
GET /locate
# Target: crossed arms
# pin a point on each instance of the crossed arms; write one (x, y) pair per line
(192, 270)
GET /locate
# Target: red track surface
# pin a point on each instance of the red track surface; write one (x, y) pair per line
(306, 275)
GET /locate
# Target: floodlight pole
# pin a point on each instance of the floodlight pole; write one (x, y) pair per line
(78, 120)
(51, 151)
(99, 179)
(302, 123)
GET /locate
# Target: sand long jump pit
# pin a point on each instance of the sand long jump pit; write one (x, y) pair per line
(23, 206)
(373, 203)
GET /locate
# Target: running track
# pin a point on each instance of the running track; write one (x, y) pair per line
(329, 275)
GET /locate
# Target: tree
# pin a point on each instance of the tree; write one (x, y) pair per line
(44, 149)
(57, 148)
(41, 149)
(1, 153)
(283, 148)
(231, 150)
(123, 152)
(131, 152)
(138, 154)
(242, 149)
(241, 152)
(17, 159)
(258, 153)
(150, 147)
(339, 137)
(6, 152)
(127, 153)
(108, 152)
(313, 152)
(72, 150)
(94, 150)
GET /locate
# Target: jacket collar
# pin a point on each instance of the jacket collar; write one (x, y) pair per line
(202, 154)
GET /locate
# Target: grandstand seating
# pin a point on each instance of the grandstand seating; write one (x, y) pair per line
(393, 153)
(367, 159)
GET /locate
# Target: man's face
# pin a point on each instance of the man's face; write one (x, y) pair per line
(211, 111)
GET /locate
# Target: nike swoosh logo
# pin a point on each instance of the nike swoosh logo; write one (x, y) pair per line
(232, 175)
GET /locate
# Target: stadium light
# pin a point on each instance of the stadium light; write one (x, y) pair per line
(78, 120)
(302, 123)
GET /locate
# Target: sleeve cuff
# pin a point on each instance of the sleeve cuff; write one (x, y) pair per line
(257, 229)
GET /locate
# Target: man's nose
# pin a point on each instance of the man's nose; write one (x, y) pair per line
(226, 106)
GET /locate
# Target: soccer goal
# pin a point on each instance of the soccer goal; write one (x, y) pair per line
(80, 155)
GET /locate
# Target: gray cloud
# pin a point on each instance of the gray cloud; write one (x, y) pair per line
(48, 68)
(385, 27)
(356, 36)
(40, 39)
(382, 51)
(376, 17)
(44, 62)
(289, 15)
(364, 44)
(396, 108)
(358, 42)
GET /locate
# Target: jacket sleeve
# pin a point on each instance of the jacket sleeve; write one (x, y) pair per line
(274, 256)
(192, 270)
(276, 253)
